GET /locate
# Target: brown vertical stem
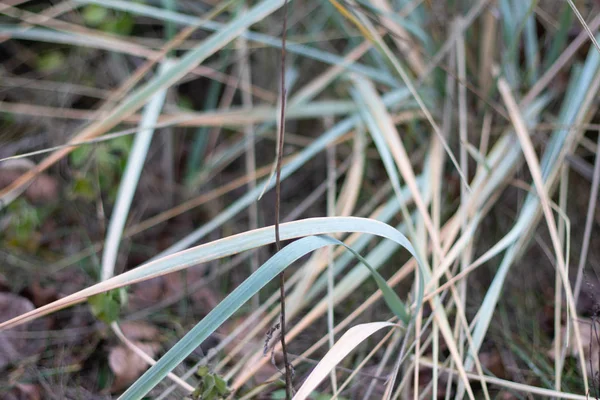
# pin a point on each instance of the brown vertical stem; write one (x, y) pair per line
(288, 370)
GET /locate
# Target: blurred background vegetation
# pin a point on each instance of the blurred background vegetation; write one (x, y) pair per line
(132, 130)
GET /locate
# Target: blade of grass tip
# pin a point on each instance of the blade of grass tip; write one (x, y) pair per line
(346, 287)
(390, 297)
(534, 167)
(131, 176)
(348, 342)
(139, 97)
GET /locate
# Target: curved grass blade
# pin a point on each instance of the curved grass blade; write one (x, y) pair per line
(348, 342)
(272, 268)
(222, 248)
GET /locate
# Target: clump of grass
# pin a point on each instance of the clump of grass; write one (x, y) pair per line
(407, 125)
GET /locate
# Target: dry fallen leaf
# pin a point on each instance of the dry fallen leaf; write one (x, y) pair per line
(44, 188)
(139, 330)
(128, 366)
(42, 295)
(13, 345)
(491, 360)
(172, 286)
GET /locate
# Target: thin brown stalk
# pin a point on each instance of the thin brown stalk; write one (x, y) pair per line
(288, 370)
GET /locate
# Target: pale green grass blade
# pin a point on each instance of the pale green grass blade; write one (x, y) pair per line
(378, 139)
(80, 39)
(532, 51)
(225, 309)
(223, 248)
(131, 176)
(348, 342)
(510, 23)
(201, 134)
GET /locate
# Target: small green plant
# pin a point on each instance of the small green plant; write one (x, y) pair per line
(107, 306)
(110, 159)
(51, 61)
(108, 21)
(211, 386)
(25, 219)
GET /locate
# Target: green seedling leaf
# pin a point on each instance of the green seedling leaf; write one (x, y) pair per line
(211, 387)
(107, 306)
(221, 385)
(94, 15)
(50, 61)
(202, 371)
(83, 188)
(25, 219)
(122, 24)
